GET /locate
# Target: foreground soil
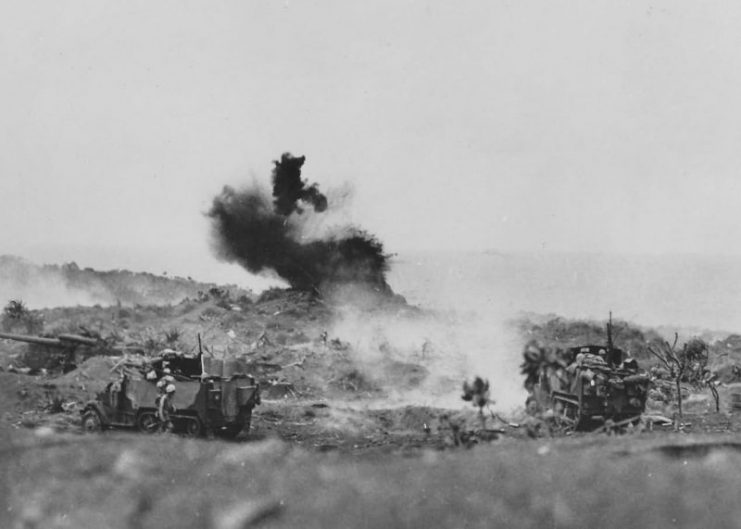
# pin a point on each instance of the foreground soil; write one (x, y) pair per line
(121, 480)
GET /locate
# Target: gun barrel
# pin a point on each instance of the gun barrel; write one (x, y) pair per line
(51, 342)
(76, 338)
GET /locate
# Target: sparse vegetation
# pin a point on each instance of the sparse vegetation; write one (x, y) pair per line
(562, 333)
(17, 317)
(688, 364)
(477, 393)
(172, 337)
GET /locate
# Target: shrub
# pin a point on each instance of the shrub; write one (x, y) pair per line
(17, 317)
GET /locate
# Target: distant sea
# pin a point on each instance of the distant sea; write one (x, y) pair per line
(688, 291)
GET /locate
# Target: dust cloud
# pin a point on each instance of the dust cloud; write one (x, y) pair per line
(68, 285)
(46, 286)
(452, 346)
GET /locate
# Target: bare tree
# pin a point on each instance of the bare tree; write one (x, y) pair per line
(688, 364)
(698, 373)
(16, 316)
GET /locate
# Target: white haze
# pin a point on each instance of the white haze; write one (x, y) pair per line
(474, 296)
(49, 288)
(453, 346)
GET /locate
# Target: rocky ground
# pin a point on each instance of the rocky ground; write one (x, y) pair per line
(339, 440)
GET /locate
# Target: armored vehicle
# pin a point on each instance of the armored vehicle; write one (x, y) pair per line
(586, 386)
(202, 403)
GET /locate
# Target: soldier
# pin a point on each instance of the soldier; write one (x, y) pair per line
(165, 407)
(164, 382)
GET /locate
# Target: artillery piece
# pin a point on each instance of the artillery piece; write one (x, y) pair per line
(64, 347)
(61, 341)
(61, 350)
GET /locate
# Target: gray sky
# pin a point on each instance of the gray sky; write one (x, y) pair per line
(516, 125)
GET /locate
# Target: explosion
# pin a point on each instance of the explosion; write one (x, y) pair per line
(250, 230)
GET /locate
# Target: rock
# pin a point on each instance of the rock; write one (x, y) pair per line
(246, 513)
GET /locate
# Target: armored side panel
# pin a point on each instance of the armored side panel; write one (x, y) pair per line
(144, 393)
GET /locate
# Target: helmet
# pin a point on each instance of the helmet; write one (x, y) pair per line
(170, 388)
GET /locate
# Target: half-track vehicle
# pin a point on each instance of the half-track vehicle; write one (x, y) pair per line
(587, 386)
(203, 403)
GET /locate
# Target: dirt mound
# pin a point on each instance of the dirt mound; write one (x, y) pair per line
(409, 418)
(89, 377)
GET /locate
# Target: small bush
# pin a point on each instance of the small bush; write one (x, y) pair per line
(172, 336)
(271, 294)
(17, 317)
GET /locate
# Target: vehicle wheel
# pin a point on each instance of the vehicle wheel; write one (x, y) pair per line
(240, 427)
(246, 419)
(229, 432)
(192, 427)
(91, 422)
(148, 422)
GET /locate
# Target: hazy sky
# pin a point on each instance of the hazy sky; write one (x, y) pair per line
(516, 125)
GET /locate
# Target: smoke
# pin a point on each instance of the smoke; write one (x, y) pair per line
(452, 346)
(47, 286)
(464, 331)
(289, 189)
(259, 234)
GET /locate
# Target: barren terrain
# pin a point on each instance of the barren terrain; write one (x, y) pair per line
(342, 440)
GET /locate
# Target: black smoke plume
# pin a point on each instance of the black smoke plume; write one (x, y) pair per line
(288, 188)
(258, 235)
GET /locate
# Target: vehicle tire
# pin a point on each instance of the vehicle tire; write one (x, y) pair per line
(230, 431)
(240, 427)
(192, 427)
(91, 422)
(148, 422)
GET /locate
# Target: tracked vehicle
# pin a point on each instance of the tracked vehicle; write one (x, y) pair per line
(587, 386)
(203, 403)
